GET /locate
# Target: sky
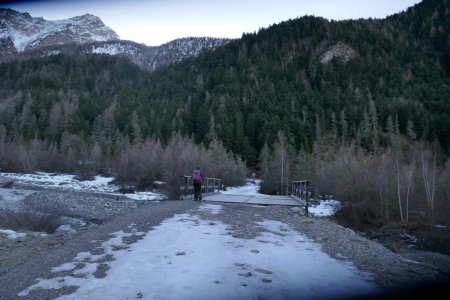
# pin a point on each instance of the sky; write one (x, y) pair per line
(154, 22)
(188, 257)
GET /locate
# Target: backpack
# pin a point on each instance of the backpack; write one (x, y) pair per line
(197, 176)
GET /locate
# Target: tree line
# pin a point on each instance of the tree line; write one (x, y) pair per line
(383, 93)
(407, 181)
(138, 164)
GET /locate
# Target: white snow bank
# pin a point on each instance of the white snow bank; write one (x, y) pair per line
(11, 234)
(325, 208)
(249, 189)
(100, 184)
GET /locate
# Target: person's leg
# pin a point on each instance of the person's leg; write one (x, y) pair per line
(196, 191)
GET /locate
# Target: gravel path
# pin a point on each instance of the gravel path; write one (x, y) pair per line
(24, 275)
(389, 269)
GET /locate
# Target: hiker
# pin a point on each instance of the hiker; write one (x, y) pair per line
(197, 179)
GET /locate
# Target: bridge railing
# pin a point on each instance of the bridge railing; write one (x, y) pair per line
(209, 186)
(302, 190)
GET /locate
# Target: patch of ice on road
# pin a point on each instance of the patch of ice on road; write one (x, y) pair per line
(278, 264)
(211, 208)
(112, 247)
(87, 270)
(64, 267)
(11, 234)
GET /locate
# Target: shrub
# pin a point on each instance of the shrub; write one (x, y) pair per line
(42, 218)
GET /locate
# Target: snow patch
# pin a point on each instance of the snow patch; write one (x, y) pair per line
(211, 208)
(64, 267)
(99, 184)
(11, 234)
(250, 189)
(324, 208)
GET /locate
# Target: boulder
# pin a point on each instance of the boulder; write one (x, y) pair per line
(7, 184)
(66, 230)
(295, 210)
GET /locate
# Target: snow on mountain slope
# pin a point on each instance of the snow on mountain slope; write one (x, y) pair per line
(24, 36)
(26, 32)
(179, 49)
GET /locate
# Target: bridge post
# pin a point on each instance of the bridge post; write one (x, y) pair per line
(300, 190)
(307, 199)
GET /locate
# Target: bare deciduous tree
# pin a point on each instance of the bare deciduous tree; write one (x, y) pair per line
(429, 180)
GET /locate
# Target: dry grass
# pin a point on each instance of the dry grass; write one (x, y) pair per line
(43, 219)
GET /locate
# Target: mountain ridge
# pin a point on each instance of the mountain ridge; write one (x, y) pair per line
(27, 33)
(22, 36)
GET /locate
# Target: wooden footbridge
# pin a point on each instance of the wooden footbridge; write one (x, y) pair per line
(212, 191)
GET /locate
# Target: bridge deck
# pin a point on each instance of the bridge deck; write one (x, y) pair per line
(253, 199)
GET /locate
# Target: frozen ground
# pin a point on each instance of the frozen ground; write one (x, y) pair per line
(11, 198)
(188, 257)
(100, 184)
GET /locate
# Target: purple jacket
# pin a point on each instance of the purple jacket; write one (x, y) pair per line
(197, 176)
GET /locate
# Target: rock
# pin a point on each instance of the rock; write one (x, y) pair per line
(66, 230)
(8, 184)
(73, 222)
(295, 210)
(126, 190)
(341, 51)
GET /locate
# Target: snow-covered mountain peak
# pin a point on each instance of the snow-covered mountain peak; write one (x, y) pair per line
(23, 32)
(22, 35)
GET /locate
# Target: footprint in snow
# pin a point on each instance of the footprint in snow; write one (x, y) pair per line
(263, 271)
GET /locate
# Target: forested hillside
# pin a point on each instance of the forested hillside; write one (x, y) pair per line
(314, 93)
